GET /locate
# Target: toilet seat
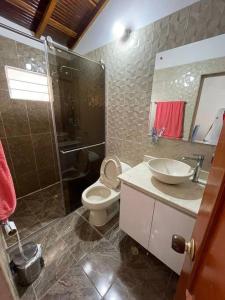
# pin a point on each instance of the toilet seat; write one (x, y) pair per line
(101, 198)
(110, 169)
(98, 196)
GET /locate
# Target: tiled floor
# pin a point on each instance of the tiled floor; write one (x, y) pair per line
(82, 262)
(35, 211)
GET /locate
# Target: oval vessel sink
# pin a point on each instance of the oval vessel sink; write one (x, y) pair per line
(169, 170)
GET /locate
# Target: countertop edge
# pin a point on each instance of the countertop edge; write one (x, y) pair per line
(157, 197)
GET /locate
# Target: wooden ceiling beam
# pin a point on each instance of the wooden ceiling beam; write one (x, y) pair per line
(92, 2)
(45, 18)
(55, 24)
(98, 11)
(26, 7)
(23, 6)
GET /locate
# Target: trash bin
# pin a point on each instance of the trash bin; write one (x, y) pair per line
(27, 265)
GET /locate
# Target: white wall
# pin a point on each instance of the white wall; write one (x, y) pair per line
(132, 13)
(206, 49)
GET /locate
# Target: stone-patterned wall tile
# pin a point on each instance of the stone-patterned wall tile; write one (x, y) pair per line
(129, 78)
(206, 19)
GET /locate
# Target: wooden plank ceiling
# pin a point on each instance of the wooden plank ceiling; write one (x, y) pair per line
(65, 21)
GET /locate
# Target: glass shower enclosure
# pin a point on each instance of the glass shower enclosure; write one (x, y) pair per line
(54, 146)
(78, 108)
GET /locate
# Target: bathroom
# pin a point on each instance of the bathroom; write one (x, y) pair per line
(83, 128)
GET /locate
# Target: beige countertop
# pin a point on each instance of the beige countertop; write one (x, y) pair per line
(185, 197)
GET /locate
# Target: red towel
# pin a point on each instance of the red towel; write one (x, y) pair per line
(7, 191)
(170, 116)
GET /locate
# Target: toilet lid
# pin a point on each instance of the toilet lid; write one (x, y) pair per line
(110, 169)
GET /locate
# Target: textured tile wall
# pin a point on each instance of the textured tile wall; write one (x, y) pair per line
(183, 82)
(26, 126)
(129, 77)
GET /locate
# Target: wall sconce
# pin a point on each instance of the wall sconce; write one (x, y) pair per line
(121, 32)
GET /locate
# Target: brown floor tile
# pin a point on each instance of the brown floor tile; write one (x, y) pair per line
(74, 285)
(120, 291)
(36, 211)
(81, 239)
(107, 227)
(143, 265)
(69, 224)
(84, 212)
(46, 206)
(115, 236)
(57, 257)
(82, 264)
(171, 288)
(101, 266)
(126, 264)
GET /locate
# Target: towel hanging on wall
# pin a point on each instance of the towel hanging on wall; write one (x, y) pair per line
(7, 191)
(170, 116)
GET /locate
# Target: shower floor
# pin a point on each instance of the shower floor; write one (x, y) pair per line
(84, 262)
(35, 211)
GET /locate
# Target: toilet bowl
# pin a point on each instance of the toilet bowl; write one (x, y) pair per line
(101, 198)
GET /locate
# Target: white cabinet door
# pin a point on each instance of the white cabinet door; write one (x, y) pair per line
(166, 222)
(136, 211)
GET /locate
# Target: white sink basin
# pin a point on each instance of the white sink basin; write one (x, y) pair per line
(169, 170)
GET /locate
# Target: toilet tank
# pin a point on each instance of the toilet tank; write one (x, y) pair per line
(125, 167)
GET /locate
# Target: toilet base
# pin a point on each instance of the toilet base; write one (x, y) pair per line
(101, 217)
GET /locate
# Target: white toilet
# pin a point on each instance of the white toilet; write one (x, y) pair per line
(101, 198)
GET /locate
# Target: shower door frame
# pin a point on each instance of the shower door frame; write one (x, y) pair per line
(50, 91)
(49, 43)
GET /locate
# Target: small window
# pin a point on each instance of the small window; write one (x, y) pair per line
(26, 85)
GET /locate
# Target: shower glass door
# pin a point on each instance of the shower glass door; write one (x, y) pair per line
(78, 87)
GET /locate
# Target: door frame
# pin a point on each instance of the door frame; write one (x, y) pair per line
(212, 203)
(202, 79)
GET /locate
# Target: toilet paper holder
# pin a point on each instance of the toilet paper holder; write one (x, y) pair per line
(10, 227)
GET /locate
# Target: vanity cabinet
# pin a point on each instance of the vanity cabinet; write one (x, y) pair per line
(136, 211)
(152, 224)
(166, 222)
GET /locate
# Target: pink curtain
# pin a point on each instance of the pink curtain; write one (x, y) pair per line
(170, 117)
(7, 191)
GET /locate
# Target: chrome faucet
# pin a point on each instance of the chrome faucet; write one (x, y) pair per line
(199, 159)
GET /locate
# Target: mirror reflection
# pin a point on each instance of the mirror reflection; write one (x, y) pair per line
(188, 97)
(210, 110)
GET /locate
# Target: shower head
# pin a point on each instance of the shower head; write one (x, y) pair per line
(61, 68)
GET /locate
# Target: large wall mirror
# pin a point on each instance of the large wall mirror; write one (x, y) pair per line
(188, 96)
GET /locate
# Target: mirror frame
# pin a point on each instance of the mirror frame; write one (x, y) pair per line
(203, 77)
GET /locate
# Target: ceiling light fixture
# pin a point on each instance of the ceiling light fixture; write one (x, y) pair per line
(119, 30)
